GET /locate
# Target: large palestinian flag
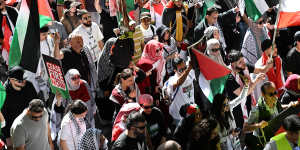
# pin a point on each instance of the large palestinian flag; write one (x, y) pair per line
(289, 14)
(213, 76)
(25, 46)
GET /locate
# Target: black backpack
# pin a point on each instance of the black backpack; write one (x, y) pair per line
(121, 52)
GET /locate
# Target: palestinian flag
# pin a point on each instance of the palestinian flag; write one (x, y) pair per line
(45, 13)
(32, 15)
(255, 8)
(156, 10)
(213, 76)
(289, 13)
(2, 95)
(7, 38)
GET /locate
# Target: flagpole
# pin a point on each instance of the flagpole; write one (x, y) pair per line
(275, 28)
(196, 43)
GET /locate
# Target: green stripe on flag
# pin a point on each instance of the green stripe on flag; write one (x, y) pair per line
(251, 10)
(15, 51)
(217, 87)
(44, 20)
(2, 95)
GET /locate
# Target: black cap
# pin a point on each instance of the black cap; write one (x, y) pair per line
(267, 43)
(297, 36)
(16, 72)
(291, 123)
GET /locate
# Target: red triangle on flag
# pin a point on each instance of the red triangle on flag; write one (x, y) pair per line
(209, 68)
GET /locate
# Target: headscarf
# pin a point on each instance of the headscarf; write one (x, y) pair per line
(209, 32)
(70, 74)
(77, 91)
(119, 123)
(210, 44)
(292, 83)
(90, 139)
(150, 53)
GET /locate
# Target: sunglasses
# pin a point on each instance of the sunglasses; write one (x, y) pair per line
(20, 81)
(272, 94)
(87, 18)
(75, 78)
(36, 117)
(148, 107)
(141, 128)
(181, 70)
(261, 22)
(215, 49)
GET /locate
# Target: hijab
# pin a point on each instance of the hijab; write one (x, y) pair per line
(77, 91)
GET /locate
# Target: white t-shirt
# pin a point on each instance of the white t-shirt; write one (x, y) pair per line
(184, 94)
(68, 132)
(148, 33)
(91, 36)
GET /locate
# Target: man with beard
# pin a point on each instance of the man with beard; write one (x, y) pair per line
(91, 34)
(19, 93)
(133, 138)
(175, 17)
(235, 84)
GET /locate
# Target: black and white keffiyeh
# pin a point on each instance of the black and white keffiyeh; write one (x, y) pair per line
(91, 140)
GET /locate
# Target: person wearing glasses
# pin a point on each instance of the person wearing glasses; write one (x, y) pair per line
(222, 111)
(267, 108)
(213, 51)
(19, 92)
(134, 137)
(155, 120)
(30, 129)
(180, 88)
(91, 34)
(79, 89)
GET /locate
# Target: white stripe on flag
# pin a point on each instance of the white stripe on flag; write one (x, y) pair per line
(290, 5)
(22, 23)
(261, 5)
(204, 85)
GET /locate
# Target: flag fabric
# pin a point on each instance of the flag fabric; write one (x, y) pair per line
(156, 10)
(289, 14)
(11, 2)
(2, 95)
(33, 14)
(7, 38)
(213, 75)
(255, 8)
(207, 4)
(45, 13)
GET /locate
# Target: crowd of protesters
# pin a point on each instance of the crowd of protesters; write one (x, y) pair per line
(133, 84)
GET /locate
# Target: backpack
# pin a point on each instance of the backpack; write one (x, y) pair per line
(121, 52)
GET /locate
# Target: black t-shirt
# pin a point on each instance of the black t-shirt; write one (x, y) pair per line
(125, 142)
(293, 61)
(72, 60)
(156, 126)
(288, 97)
(230, 86)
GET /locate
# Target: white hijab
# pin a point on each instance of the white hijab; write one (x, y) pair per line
(70, 74)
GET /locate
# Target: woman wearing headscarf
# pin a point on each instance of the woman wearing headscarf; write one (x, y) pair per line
(93, 139)
(170, 50)
(73, 126)
(153, 51)
(213, 32)
(213, 51)
(79, 89)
